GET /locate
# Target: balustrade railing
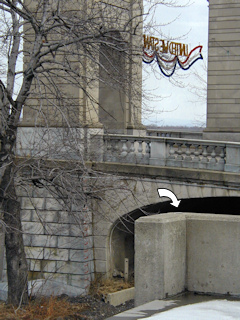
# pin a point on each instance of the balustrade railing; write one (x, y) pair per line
(127, 149)
(196, 154)
(172, 152)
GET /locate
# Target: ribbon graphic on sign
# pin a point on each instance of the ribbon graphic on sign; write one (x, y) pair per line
(164, 53)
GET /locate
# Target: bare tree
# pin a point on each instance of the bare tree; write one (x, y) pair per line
(60, 42)
(75, 53)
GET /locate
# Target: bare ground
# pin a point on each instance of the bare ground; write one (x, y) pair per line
(99, 310)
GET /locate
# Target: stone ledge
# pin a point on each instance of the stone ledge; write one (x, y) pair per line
(119, 297)
(178, 174)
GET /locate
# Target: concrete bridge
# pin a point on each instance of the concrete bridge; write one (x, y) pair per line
(204, 174)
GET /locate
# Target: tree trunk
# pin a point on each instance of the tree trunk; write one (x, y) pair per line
(17, 269)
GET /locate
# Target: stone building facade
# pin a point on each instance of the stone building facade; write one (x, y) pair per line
(102, 85)
(223, 93)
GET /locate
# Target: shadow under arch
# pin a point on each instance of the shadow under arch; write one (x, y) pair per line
(121, 240)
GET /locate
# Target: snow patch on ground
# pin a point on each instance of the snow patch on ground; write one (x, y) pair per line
(214, 310)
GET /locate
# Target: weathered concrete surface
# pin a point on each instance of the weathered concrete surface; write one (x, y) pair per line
(197, 252)
(213, 253)
(160, 257)
(119, 297)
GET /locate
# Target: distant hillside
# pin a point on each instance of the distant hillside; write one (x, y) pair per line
(176, 128)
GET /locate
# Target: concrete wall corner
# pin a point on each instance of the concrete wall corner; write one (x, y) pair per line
(160, 256)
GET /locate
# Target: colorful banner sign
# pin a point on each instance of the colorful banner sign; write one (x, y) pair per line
(169, 54)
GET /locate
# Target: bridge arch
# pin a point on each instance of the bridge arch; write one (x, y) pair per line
(141, 192)
(121, 236)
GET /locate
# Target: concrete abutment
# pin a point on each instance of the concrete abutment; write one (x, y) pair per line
(186, 251)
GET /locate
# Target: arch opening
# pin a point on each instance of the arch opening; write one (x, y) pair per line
(122, 247)
(122, 232)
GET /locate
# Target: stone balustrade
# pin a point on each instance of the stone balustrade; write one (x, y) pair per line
(173, 152)
(127, 149)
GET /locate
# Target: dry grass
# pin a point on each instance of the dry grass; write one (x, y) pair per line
(101, 287)
(54, 308)
(43, 309)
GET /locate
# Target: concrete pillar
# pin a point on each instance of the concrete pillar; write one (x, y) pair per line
(160, 257)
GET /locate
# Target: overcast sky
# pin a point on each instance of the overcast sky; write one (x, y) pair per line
(180, 105)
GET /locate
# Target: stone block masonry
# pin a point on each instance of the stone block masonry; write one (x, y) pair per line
(58, 243)
(223, 112)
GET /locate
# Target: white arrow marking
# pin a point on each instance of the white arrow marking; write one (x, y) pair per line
(169, 194)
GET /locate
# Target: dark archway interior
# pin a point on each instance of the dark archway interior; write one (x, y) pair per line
(122, 240)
